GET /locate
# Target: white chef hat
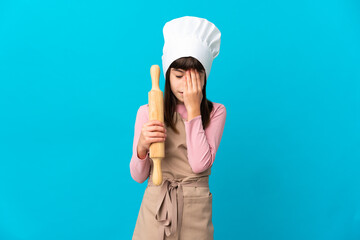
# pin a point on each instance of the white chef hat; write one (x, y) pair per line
(190, 36)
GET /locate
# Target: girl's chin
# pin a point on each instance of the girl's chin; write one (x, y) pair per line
(180, 100)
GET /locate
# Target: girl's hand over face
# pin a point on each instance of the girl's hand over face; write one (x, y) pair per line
(192, 90)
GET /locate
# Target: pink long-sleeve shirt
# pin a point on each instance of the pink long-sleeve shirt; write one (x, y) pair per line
(201, 145)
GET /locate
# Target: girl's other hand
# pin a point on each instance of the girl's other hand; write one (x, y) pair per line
(192, 90)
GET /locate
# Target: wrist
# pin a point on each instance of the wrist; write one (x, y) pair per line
(193, 113)
(193, 110)
(141, 153)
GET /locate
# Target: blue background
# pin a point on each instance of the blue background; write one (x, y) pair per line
(74, 73)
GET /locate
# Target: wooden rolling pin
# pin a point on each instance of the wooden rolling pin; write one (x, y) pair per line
(156, 112)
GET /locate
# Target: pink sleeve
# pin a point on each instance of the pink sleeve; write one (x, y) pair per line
(202, 145)
(139, 168)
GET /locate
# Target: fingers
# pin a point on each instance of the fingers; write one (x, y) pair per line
(151, 137)
(157, 135)
(155, 123)
(198, 80)
(155, 126)
(154, 131)
(193, 80)
(188, 83)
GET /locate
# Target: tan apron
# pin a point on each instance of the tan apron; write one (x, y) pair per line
(181, 208)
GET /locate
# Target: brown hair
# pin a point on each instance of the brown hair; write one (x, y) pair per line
(170, 99)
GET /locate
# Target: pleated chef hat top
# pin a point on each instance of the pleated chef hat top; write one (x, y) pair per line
(190, 36)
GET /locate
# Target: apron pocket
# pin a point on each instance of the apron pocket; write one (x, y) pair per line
(197, 217)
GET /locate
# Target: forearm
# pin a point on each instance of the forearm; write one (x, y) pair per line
(140, 161)
(198, 149)
(202, 144)
(140, 164)
(140, 168)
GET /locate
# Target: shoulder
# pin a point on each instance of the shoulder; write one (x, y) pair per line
(218, 109)
(143, 110)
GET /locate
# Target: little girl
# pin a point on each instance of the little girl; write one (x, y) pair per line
(181, 207)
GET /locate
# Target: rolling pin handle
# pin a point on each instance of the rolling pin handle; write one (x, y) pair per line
(155, 76)
(157, 174)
